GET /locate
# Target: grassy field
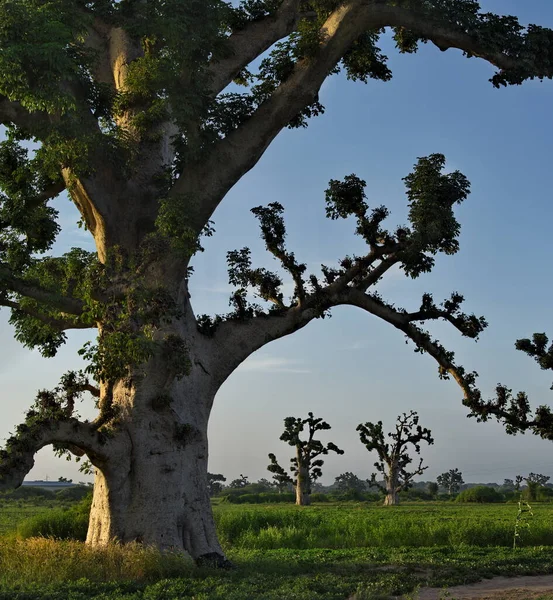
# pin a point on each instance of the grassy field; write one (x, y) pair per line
(372, 526)
(11, 514)
(325, 552)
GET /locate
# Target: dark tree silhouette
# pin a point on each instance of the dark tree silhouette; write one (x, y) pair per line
(394, 455)
(240, 482)
(215, 483)
(433, 488)
(534, 482)
(349, 482)
(306, 465)
(451, 480)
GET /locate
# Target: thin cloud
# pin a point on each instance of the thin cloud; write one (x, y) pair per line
(358, 345)
(273, 364)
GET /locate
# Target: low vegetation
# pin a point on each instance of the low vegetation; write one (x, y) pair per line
(329, 551)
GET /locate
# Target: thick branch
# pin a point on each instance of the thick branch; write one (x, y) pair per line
(14, 113)
(235, 340)
(420, 338)
(55, 322)
(33, 290)
(18, 458)
(247, 44)
(240, 150)
(446, 36)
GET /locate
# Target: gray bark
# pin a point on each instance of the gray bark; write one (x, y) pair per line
(153, 487)
(303, 491)
(392, 487)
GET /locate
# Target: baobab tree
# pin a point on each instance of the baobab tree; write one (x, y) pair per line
(451, 480)
(306, 465)
(393, 456)
(128, 108)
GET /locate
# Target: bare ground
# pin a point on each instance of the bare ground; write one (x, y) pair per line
(498, 588)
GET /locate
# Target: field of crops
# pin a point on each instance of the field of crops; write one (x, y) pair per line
(323, 552)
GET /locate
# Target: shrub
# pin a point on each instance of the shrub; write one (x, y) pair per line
(480, 493)
(28, 493)
(263, 498)
(416, 494)
(61, 524)
(319, 497)
(77, 492)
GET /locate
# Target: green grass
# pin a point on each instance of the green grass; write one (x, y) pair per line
(368, 525)
(325, 552)
(70, 571)
(12, 514)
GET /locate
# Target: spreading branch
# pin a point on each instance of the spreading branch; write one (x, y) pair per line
(433, 228)
(236, 154)
(246, 44)
(18, 457)
(56, 323)
(34, 290)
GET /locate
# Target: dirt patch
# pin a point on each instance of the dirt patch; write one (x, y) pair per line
(498, 588)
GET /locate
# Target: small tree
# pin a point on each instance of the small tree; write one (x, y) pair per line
(241, 482)
(451, 480)
(281, 478)
(215, 483)
(432, 488)
(349, 482)
(534, 482)
(264, 485)
(393, 457)
(508, 485)
(305, 466)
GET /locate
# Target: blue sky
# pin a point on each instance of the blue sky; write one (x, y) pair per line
(352, 368)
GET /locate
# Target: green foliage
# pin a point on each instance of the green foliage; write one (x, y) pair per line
(172, 223)
(27, 224)
(432, 196)
(349, 482)
(68, 570)
(321, 552)
(51, 51)
(74, 275)
(481, 494)
(27, 492)
(499, 33)
(215, 483)
(77, 492)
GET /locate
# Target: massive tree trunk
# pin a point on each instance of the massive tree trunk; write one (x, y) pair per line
(153, 487)
(303, 486)
(392, 487)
